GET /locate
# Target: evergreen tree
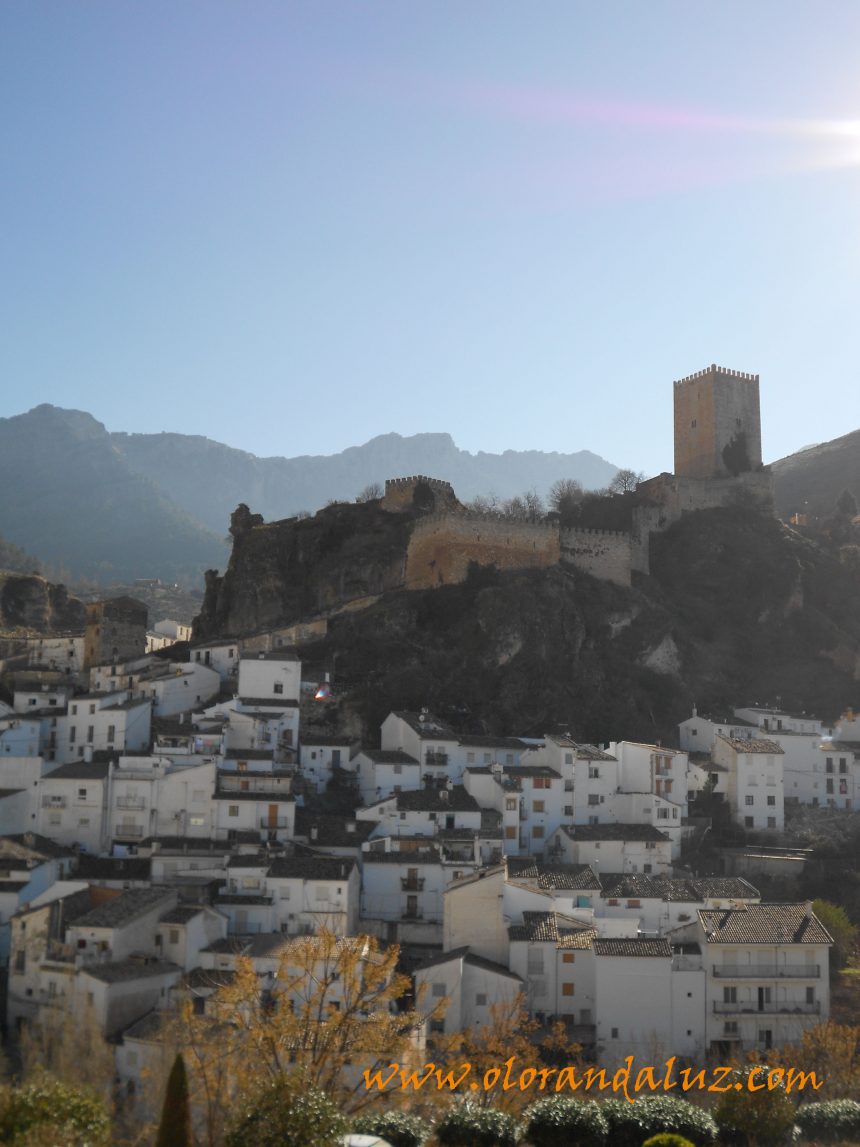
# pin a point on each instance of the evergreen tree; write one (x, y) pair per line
(175, 1127)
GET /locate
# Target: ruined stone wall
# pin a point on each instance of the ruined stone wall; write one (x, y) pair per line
(604, 554)
(717, 423)
(442, 546)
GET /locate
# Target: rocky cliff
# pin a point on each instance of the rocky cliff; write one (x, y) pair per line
(29, 603)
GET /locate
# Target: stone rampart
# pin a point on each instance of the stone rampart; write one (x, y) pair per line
(604, 554)
(443, 545)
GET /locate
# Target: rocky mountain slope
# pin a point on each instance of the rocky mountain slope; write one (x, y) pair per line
(811, 481)
(209, 479)
(30, 604)
(70, 499)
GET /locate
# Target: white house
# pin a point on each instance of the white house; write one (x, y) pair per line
(613, 847)
(383, 772)
(465, 992)
(73, 805)
(755, 787)
(553, 955)
(320, 754)
(428, 740)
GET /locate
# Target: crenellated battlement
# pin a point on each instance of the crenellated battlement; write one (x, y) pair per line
(576, 530)
(414, 479)
(713, 369)
(441, 516)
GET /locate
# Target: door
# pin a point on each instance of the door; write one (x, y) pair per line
(763, 998)
(273, 816)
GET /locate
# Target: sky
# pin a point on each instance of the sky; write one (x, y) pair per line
(291, 227)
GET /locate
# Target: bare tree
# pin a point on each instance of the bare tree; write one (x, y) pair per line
(527, 507)
(564, 494)
(626, 481)
(370, 493)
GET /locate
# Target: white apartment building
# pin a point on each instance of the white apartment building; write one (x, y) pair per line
(428, 740)
(103, 722)
(464, 991)
(613, 847)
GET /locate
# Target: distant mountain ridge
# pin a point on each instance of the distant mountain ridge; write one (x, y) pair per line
(209, 479)
(810, 481)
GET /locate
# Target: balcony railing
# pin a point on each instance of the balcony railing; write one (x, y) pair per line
(128, 831)
(435, 758)
(412, 883)
(273, 823)
(136, 803)
(768, 972)
(412, 914)
(770, 1008)
(53, 802)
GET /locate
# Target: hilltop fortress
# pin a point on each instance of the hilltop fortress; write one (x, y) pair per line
(419, 536)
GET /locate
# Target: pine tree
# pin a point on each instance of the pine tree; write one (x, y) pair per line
(175, 1127)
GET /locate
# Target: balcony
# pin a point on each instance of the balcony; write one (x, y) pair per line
(771, 1008)
(53, 802)
(435, 758)
(272, 824)
(768, 972)
(412, 914)
(137, 804)
(412, 883)
(128, 831)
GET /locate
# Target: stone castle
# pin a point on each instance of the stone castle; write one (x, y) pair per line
(419, 536)
(717, 463)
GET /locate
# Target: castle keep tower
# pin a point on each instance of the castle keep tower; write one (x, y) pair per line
(717, 424)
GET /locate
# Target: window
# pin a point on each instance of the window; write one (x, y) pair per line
(438, 991)
(771, 822)
(21, 960)
(568, 810)
(535, 960)
(537, 832)
(771, 800)
(173, 936)
(278, 687)
(568, 958)
(111, 734)
(567, 989)
(480, 999)
(612, 902)
(82, 794)
(509, 758)
(650, 843)
(511, 804)
(730, 995)
(634, 903)
(197, 821)
(749, 799)
(73, 732)
(74, 710)
(830, 784)
(662, 814)
(568, 758)
(92, 709)
(730, 1027)
(510, 832)
(538, 806)
(233, 810)
(829, 766)
(614, 1034)
(694, 732)
(470, 758)
(540, 783)
(593, 799)
(83, 822)
(593, 772)
(810, 995)
(749, 822)
(843, 765)
(90, 732)
(647, 869)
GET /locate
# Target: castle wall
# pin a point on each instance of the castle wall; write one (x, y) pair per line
(400, 493)
(442, 546)
(602, 553)
(717, 423)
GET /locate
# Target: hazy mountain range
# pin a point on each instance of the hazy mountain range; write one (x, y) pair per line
(111, 507)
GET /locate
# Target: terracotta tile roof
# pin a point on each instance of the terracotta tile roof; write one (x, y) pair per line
(554, 928)
(640, 886)
(559, 876)
(592, 753)
(753, 745)
(312, 868)
(764, 924)
(634, 946)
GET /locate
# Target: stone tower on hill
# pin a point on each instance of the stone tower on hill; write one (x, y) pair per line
(717, 424)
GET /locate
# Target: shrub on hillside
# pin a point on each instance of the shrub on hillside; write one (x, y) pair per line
(54, 1112)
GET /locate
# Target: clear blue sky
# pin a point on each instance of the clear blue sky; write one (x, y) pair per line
(291, 227)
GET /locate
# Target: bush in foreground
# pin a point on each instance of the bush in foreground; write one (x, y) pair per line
(559, 1119)
(398, 1128)
(52, 1112)
(467, 1125)
(632, 1123)
(667, 1139)
(764, 1118)
(834, 1121)
(286, 1112)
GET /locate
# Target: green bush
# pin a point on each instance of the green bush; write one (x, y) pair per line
(631, 1123)
(764, 1118)
(557, 1119)
(667, 1139)
(286, 1112)
(467, 1125)
(834, 1121)
(73, 1116)
(397, 1127)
